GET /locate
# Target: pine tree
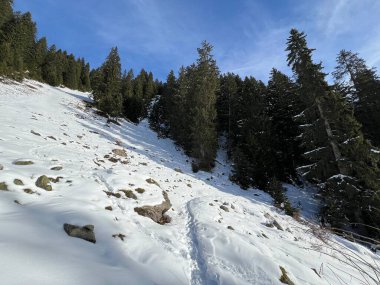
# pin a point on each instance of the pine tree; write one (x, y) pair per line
(164, 108)
(230, 85)
(361, 84)
(6, 8)
(282, 104)
(339, 159)
(203, 134)
(108, 92)
(40, 53)
(84, 78)
(253, 159)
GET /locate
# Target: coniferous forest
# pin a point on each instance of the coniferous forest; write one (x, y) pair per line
(299, 129)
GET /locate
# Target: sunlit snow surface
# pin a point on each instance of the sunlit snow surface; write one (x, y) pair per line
(197, 247)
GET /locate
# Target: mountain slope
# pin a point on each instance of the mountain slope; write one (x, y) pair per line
(218, 234)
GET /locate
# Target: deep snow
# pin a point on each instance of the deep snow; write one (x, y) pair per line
(197, 247)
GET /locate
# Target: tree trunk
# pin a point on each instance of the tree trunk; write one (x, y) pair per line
(330, 136)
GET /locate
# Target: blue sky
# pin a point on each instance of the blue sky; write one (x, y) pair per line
(249, 36)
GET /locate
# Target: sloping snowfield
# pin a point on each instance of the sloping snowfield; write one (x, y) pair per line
(203, 244)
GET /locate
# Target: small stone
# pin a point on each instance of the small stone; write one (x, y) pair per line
(56, 168)
(113, 159)
(284, 277)
(1, 167)
(35, 133)
(51, 137)
(85, 232)
(152, 181)
(18, 182)
(230, 228)
(109, 193)
(120, 236)
(178, 170)
(211, 204)
(29, 191)
(129, 194)
(44, 183)
(140, 190)
(23, 162)
(3, 186)
(120, 152)
(224, 208)
(55, 180)
(109, 208)
(17, 202)
(232, 207)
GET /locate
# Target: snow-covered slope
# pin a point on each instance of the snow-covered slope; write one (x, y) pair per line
(203, 244)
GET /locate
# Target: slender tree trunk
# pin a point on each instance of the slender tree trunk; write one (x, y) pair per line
(330, 136)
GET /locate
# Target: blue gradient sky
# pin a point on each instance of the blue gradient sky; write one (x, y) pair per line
(249, 36)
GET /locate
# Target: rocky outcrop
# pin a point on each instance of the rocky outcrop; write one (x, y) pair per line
(86, 232)
(156, 212)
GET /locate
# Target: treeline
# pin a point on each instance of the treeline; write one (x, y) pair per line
(298, 129)
(22, 55)
(122, 94)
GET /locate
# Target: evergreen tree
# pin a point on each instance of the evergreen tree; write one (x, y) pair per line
(6, 8)
(253, 159)
(107, 94)
(203, 134)
(40, 53)
(84, 79)
(282, 105)
(164, 108)
(230, 85)
(361, 84)
(339, 159)
(49, 67)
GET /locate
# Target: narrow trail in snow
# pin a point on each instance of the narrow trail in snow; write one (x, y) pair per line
(198, 267)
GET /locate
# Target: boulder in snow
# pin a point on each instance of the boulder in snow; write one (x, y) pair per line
(85, 232)
(157, 212)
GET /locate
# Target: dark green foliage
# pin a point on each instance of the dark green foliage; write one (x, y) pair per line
(186, 111)
(6, 11)
(253, 159)
(107, 91)
(203, 112)
(276, 190)
(230, 86)
(282, 105)
(360, 84)
(338, 158)
(163, 110)
(21, 55)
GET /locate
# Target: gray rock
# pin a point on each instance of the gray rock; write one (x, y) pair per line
(1, 167)
(156, 212)
(3, 186)
(224, 208)
(120, 152)
(44, 183)
(85, 232)
(18, 182)
(56, 168)
(23, 162)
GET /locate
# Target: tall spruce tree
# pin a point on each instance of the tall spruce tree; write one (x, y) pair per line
(362, 85)
(253, 159)
(282, 104)
(340, 161)
(107, 93)
(203, 134)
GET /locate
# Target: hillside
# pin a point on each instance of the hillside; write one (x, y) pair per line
(218, 233)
